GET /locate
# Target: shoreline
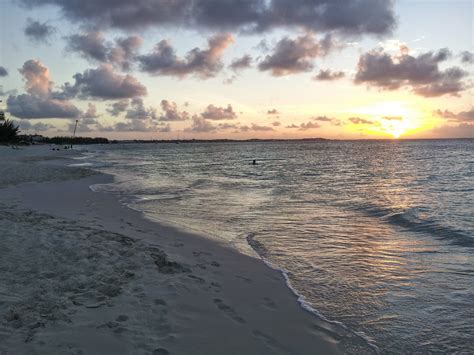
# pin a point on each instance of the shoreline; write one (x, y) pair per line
(214, 299)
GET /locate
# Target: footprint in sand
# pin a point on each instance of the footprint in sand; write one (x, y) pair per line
(246, 279)
(160, 302)
(268, 302)
(270, 341)
(229, 311)
(122, 318)
(198, 279)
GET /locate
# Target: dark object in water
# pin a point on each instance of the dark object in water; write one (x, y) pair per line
(254, 162)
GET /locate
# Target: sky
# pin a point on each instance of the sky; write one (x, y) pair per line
(203, 69)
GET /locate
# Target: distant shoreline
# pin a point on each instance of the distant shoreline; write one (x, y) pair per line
(102, 140)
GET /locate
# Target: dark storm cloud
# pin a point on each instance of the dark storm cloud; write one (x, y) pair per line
(241, 63)
(3, 71)
(296, 55)
(353, 17)
(203, 63)
(358, 120)
(93, 46)
(464, 116)
(171, 112)
(328, 75)
(219, 113)
(421, 73)
(37, 31)
(39, 101)
(103, 83)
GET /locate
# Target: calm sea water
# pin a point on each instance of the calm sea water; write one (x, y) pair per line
(376, 235)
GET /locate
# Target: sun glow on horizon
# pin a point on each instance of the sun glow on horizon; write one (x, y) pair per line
(391, 118)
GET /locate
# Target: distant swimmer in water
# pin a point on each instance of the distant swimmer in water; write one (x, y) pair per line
(254, 162)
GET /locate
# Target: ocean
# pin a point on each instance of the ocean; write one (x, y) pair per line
(376, 236)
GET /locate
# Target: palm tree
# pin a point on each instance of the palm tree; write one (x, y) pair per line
(8, 132)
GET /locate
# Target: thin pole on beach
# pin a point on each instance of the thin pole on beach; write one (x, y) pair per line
(74, 133)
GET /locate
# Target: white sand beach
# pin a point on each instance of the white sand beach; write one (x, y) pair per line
(82, 274)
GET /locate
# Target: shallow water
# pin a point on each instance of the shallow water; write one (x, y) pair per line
(376, 235)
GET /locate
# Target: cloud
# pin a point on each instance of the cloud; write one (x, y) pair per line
(125, 50)
(138, 111)
(422, 73)
(358, 120)
(273, 112)
(276, 123)
(36, 77)
(257, 128)
(292, 56)
(30, 106)
(138, 117)
(467, 57)
(89, 45)
(118, 107)
(133, 126)
(393, 118)
(203, 63)
(328, 75)
(322, 119)
(103, 83)
(93, 46)
(305, 126)
(219, 113)
(165, 128)
(88, 123)
(464, 116)
(463, 130)
(171, 113)
(227, 126)
(91, 111)
(241, 63)
(200, 125)
(26, 125)
(352, 17)
(39, 102)
(3, 71)
(38, 32)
